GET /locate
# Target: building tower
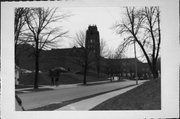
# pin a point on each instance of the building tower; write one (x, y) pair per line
(93, 44)
(92, 40)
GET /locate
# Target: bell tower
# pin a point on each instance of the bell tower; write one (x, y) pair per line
(92, 40)
(93, 44)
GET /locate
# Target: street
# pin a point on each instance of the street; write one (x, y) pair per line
(38, 99)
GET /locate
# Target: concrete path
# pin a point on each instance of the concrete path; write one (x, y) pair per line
(88, 104)
(38, 99)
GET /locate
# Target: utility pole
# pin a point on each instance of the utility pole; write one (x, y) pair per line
(135, 62)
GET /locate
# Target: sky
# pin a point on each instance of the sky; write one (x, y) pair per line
(103, 17)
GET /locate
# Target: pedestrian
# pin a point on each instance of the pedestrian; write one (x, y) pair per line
(51, 73)
(57, 75)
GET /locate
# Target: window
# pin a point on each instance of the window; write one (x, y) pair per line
(91, 40)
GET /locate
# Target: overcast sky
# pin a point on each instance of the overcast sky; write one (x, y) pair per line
(103, 17)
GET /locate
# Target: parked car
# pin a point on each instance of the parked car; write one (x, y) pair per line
(114, 79)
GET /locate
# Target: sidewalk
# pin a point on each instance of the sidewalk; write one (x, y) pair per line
(88, 104)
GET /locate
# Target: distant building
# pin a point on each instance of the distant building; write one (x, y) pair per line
(92, 40)
(125, 67)
(93, 44)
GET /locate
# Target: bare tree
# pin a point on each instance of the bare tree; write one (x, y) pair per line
(19, 23)
(112, 65)
(79, 42)
(119, 53)
(42, 34)
(85, 57)
(104, 51)
(80, 39)
(152, 27)
(142, 26)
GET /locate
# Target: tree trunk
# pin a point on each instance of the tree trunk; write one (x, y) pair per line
(155, 72)
(85, 67)
(36, 67)
(85, 72)
(152, 64)
(98, 67)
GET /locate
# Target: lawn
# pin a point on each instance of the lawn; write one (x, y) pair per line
(27, 80)
(144, 97)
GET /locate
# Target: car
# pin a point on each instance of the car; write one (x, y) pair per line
(114, 79)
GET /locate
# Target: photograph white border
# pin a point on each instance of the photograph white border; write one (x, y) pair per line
(169, 62)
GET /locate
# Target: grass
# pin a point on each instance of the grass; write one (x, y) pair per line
(144, 97)
(26, 80)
